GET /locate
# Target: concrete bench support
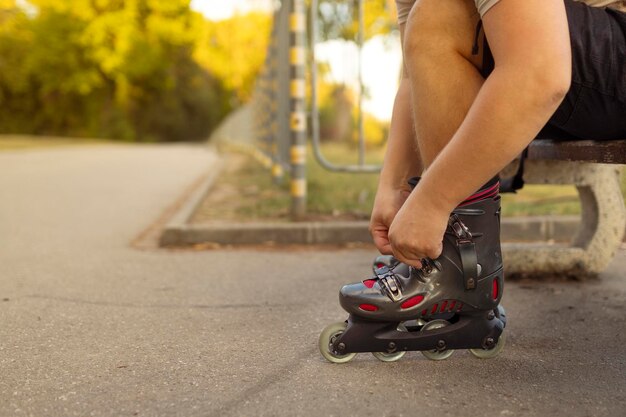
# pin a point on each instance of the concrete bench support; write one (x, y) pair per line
(602, 226)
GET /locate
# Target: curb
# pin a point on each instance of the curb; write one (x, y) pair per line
(180, 232)
(515, 229)
(261, 233)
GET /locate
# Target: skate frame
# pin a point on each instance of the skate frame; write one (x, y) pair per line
(468, 331)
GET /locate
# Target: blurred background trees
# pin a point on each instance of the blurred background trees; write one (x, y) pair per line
(154, 70)
(137, 70)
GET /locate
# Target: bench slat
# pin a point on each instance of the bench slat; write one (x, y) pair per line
(606, 152)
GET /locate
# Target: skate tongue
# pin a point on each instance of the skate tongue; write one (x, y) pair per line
(382, 271)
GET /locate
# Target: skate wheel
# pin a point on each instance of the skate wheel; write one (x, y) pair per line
(388, 357)
(490, 353)
(327, 337)
(391, 357)
(436, 355)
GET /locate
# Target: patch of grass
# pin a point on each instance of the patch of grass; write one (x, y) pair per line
(534, 200)
(17, 142)
(338, 193)
(245, 192)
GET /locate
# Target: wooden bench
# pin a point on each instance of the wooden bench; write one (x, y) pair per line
(594, 168)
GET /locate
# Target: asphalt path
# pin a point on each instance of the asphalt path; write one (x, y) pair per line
(92, 325)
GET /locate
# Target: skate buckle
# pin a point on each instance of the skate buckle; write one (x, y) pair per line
(460, 230)
(467, 251)
(391, 286)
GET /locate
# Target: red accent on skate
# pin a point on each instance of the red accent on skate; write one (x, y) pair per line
(368, 307)
(443, 306)
(434, 310)
(369, 283)
(413, 301)
(495, 289)
(424, 312)
(452, 304)
(380, 265)
(459, 307)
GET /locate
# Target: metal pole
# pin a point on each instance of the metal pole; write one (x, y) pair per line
(360, 40)
(298, 125)
(277, 168)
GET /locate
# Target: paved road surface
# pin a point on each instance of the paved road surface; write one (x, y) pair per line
(91, 326)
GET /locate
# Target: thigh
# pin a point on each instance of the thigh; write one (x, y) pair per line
(434, 25)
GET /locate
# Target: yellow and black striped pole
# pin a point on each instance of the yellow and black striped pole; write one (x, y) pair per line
(298, 125)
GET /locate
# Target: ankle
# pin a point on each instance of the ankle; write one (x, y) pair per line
(490, 190)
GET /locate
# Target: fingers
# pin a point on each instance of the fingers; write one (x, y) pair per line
(412, 262)
(407, 255)
(380, 234)
(381, 240)
(412, 253)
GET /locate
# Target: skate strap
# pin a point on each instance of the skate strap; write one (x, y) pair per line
(467, 251)
(469, 262)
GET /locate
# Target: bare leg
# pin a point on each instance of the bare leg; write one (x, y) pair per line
(445, 76)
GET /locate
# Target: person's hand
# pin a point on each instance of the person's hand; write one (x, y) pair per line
(417, 231)
(386, 205)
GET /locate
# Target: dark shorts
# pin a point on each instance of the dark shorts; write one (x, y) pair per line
(595, 106)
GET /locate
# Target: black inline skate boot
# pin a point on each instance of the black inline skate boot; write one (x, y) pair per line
(452, 302)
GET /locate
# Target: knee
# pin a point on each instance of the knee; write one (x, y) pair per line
(434, 25)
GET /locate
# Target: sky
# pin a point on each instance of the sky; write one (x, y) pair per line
(381, 60)
(381, 70)
(222, 9)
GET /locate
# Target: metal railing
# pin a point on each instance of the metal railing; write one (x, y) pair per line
(361, 167)
(281, 116)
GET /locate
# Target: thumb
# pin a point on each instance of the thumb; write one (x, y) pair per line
(381, 240)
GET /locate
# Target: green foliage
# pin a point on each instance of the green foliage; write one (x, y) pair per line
(236, 52)
(336, 102)
(138, 70)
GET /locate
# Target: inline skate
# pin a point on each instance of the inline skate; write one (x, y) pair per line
(452, 302)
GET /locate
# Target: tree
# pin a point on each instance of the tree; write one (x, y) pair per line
(125, 69)
(234, 50)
